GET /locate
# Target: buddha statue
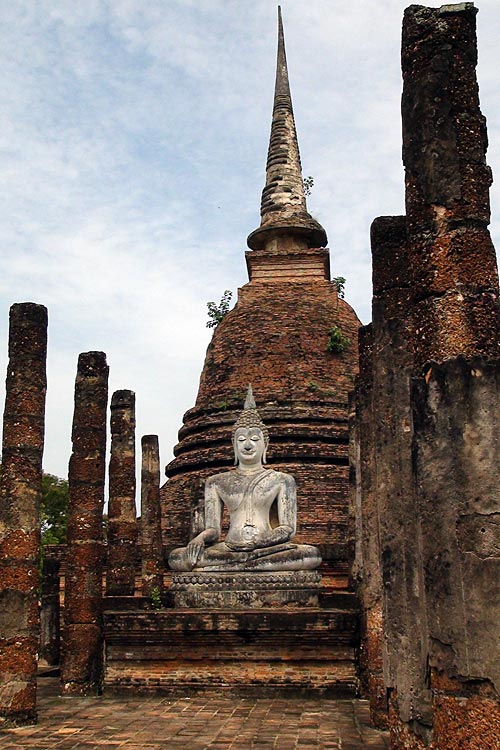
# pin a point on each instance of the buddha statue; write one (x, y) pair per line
(257, 539)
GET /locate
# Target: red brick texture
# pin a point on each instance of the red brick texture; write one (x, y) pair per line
(431, 479)
(81, 671)
(122, 516)
(451, 257)
(276, 339)
(20, 497)
(151, 542)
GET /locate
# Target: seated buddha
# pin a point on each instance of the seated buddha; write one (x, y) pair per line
(254, 541)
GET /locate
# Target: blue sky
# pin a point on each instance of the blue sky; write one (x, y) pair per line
(133, 145)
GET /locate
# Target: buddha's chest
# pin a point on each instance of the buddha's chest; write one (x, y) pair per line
(259, 497)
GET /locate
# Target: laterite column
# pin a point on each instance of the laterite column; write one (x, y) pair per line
(151, 543)
(81, 672)
(21, 492)
(122, 517)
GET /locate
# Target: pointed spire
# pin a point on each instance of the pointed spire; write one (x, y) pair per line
(283, 207)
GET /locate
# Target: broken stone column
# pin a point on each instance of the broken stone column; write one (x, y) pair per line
(122, 517)
(151, 542)
(81, 671)
(20, 497)
(451, 256)
(442, 528)
(50, 641)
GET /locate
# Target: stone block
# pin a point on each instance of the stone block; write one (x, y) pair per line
(241, 590)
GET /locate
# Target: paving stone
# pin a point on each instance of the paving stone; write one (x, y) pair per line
(202, 723)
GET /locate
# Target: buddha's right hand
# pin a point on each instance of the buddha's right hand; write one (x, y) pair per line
(194, 550)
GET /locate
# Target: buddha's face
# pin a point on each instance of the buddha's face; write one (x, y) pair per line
(249, 446)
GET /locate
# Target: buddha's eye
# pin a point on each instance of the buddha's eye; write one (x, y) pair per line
(255, 438)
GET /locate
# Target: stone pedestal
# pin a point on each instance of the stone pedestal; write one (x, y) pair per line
(298, 588)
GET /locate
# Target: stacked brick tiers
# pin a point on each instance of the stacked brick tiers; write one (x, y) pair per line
(20, 497)
(258, 651)
(276, 339)
(427, 484)
(81, 671)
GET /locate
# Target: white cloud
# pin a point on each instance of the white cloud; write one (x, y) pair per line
(133, 139)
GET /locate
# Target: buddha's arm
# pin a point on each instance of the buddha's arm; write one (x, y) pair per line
(212, 530)
(287, 512)
(287, 506)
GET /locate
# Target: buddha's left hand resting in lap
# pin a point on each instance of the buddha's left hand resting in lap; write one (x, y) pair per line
(248, 492)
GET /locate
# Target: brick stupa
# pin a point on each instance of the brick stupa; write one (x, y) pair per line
(276, 338)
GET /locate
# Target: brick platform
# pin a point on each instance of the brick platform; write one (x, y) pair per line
(151, 723)
(252, 652)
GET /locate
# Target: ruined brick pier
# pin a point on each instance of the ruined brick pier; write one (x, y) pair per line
(151, 543)
(426, 413)
(122, 517)
(20, 496)
(81, 671)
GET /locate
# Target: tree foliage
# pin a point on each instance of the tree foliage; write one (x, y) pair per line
(337, 341)
(217, 312)
(54, 509)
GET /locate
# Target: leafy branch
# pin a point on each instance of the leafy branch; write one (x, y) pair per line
(339, 282)
(217, 312)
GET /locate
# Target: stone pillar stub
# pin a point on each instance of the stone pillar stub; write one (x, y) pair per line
(81, 671)
(20, 497)
(122, 516)
(151, 540)
(453, 265)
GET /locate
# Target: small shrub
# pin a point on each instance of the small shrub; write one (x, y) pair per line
(217, 312)
(155, 598)
(337, 342)
(339, 282)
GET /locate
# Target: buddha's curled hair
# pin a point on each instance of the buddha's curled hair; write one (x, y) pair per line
(250, 417)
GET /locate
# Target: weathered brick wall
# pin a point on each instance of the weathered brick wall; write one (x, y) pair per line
(435, 389)
(276, 339)
(367, 568)
(260, 651)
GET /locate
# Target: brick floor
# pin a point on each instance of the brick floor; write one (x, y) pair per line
(154, 722)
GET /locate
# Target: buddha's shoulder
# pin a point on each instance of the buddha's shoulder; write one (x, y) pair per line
(281, 476)
(226, 478)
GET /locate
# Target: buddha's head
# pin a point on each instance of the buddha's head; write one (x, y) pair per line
(250, 435)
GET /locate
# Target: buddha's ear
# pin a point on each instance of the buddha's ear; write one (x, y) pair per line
(264, 455)
(235, 454)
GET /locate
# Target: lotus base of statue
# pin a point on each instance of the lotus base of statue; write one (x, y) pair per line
(239, 590)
